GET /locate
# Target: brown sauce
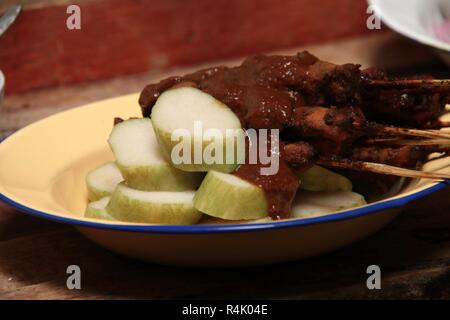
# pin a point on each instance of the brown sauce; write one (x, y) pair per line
(284, 92)
(279, 188)
(263, 93)
(264, 90)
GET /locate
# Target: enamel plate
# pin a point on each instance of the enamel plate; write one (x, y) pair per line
(42, 171)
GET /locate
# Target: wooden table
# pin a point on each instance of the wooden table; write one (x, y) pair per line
(413, 252)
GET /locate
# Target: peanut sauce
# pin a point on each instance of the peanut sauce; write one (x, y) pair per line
(279, 188)
(263, 92)
(321, 103)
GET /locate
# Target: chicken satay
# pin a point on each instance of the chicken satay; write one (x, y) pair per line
(405, 109)
(403, 156)
(267, 85)
(303, 77)
(331, 130)
(299, 155)
(276, 92)
(370, 184)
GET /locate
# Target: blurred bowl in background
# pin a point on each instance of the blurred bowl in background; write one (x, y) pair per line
(425, 21)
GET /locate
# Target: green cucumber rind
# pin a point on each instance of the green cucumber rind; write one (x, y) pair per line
(159, 177)
(123, 208)
(320, 179)
(313, 204)
(97, 213)
(94, 193)
(217, 198)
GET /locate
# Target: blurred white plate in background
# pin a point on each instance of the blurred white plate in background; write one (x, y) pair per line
(426, 21)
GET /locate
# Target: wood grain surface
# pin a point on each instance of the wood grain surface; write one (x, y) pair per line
(413, 252)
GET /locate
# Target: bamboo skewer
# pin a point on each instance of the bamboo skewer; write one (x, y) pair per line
(435, 85)
(432, 134)
(443, 124)
(406, 142)
(381, 169)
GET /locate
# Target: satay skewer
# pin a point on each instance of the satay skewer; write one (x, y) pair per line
(314, 121)
(432, 85)
(381, 169)
(443, 124)
(432, 134)
(408, 142)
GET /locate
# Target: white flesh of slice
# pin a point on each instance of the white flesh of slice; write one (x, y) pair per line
(320, 179)
(139, 158)
(312, 204)
(102, 181)
(97, 209)
(229, 197)
(158, 207)
(178, 110)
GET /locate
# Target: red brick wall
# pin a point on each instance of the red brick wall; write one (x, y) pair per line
(120, 37)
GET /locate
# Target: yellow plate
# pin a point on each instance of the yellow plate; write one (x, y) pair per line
(42, 170)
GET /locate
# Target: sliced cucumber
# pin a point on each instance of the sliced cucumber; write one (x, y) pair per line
(198, 124)
(311, 204)
(160, 207)
(97, 209)
(138, 157)
(320, 179)
(229, 197)
(102, 181)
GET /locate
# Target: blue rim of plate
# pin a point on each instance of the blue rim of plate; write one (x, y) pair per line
(230, 228)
